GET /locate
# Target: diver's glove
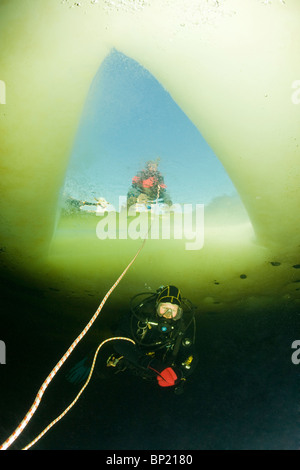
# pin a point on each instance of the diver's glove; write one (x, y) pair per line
(79, 373)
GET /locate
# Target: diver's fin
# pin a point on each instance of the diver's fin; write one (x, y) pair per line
(79, 373)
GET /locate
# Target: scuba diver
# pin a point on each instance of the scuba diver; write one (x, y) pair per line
(148, 186)
(162, 325)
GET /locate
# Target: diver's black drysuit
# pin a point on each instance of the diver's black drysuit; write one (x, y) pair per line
(159, 343)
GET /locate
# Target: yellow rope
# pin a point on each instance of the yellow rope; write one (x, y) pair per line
(54, 371)
(78, 395)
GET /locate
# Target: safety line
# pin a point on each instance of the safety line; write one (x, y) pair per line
(54, 371)
(78, 395)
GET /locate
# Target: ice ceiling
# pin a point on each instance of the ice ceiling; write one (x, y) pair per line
(229, 65)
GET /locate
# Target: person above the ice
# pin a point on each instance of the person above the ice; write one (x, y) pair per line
(162, 326)
(149, 182)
